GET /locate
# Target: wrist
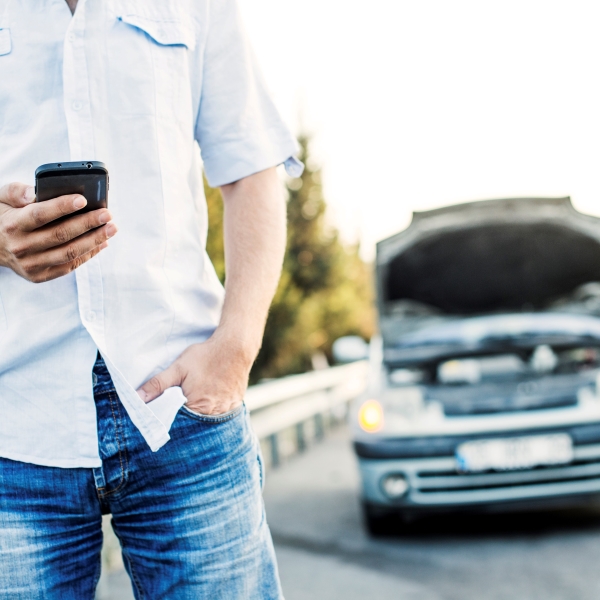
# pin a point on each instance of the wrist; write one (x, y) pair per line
(239, 343)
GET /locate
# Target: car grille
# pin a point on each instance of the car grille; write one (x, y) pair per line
(557, 391)
(437, 481)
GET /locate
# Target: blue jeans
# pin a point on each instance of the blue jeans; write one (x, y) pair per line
(190, 517)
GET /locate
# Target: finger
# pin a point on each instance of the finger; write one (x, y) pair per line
(60, 270)
(17, 194)
(59, 234)
(154, 387)
(38, 214)
(80, 246)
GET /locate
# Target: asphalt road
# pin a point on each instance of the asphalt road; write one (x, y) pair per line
(324, 554)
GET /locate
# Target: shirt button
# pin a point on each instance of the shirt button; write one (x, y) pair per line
(71, 37)
(77, 105)
(91, 316)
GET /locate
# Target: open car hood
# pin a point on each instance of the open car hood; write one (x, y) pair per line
(491, 257)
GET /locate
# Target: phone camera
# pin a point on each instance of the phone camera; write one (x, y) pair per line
(89, 165)
(59, 165)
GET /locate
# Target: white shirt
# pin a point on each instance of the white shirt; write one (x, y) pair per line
(147, 87)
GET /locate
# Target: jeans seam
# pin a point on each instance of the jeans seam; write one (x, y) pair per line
(98, 573)
(261, 468)
(134, 577)
(122, 453)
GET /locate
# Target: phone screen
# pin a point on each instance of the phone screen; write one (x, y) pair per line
(90, 185)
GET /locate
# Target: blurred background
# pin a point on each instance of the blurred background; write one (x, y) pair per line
(400, 107)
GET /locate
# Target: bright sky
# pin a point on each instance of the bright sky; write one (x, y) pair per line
(416, 104)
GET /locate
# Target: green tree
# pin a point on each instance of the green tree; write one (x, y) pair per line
(215, 245)
(325, 289)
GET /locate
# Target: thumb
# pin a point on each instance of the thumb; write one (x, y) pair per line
(17, 195)
(154, 387)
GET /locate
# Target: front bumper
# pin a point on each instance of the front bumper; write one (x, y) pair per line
(429, 465)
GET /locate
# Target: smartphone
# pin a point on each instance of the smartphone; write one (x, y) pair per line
(88, 178)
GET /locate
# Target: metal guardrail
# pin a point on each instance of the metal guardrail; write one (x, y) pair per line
(286, 413)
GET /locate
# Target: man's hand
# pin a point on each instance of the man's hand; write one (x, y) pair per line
(213, 376)
(36, 248)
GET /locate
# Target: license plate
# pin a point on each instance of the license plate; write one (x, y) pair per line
(505, 454)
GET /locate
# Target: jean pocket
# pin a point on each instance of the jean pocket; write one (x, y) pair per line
(231, 414)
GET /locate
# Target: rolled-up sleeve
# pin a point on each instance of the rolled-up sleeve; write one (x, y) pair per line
(238, 128)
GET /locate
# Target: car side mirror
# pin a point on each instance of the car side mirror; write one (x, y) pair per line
(349, 349)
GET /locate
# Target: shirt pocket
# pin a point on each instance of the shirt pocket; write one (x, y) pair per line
(5, 41)
(149, 60)
(168, 30)
(3, 321)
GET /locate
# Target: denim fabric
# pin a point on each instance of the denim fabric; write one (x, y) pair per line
(190, 517)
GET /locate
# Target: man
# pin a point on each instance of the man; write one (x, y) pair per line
(122, 364)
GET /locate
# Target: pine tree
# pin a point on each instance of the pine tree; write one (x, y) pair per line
(214, 241)
(325, 289)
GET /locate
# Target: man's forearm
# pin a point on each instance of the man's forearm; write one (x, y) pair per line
(255, 236)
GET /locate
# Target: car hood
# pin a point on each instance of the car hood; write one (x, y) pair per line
(525, 255)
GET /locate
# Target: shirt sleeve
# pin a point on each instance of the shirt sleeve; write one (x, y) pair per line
(238, 128)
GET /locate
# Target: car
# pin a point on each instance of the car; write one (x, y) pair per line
(483, 388)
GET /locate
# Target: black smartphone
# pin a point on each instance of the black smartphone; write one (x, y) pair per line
(88, 178)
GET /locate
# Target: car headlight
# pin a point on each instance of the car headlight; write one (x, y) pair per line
(370, 416)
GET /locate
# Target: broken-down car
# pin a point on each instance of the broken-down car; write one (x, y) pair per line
(483, 391)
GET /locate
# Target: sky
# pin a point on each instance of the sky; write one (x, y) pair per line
(419, 104)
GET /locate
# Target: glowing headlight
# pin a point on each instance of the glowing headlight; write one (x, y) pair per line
(370, 416)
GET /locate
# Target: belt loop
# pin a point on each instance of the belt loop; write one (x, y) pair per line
(99, 478)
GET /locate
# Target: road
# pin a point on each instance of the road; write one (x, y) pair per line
(324, 554)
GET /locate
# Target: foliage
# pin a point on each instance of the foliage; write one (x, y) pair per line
(325, 290)
(215, 244)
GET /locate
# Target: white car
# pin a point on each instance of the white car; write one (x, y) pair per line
(483, 389)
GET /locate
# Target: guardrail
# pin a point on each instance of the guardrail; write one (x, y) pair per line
(287, 413)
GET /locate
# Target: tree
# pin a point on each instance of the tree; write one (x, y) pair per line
(215, 244)
(325, 289)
